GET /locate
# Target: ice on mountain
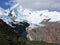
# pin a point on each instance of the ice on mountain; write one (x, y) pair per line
(35, 17)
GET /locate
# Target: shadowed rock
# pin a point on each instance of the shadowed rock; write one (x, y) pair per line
(21, 28)
(18, 28)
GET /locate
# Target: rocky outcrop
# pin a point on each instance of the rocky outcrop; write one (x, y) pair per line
(17, 29)
(49, 33)
(5, 28)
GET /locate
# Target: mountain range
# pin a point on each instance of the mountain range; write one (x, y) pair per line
(34, 22)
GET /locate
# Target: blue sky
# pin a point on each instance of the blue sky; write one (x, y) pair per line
(51, 5)
(4, 5)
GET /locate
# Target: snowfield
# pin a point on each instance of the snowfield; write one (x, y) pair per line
(34, 17)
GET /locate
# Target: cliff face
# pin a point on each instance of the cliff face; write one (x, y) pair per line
(49, 33)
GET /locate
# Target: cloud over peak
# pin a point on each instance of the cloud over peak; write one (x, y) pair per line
(52, 5)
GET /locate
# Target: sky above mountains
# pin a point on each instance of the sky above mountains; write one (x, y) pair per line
(52, 5)
(3, 4)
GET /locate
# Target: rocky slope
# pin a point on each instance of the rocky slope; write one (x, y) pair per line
(49, 33)
(18, 28)
(9, 37)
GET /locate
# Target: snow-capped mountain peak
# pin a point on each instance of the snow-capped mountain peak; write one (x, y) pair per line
(18, 13)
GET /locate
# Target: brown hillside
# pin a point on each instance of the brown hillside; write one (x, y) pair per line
(50, 33)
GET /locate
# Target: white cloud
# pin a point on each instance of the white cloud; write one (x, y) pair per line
(39, 4)
(1, 9)
(11, 3)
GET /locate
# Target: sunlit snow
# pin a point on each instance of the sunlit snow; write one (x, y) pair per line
(34, 17)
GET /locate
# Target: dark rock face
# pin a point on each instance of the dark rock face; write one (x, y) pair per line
(18, 28)
(21, 28)
(5, 28)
